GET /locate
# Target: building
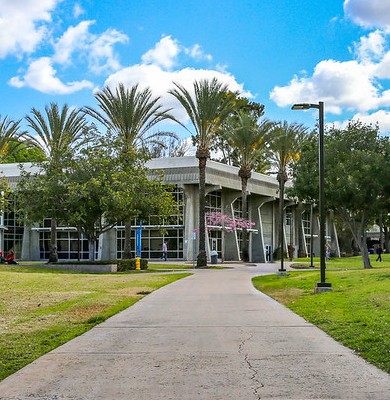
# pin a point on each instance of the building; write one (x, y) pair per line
(223, 195)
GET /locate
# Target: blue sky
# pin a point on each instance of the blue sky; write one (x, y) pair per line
(277, 52)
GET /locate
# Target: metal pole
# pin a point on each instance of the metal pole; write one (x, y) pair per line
(322, 192)
(311, 235)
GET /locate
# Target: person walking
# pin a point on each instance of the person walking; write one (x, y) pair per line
(164, 251)
(379, 251)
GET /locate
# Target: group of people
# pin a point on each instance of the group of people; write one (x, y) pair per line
(8, 259)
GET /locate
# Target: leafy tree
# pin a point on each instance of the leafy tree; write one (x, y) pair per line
(26, 154)
(208, 106)
(130, 113)
(247, 137)
(59, 134)
(285, 145)
(107, 186)
(356, 177)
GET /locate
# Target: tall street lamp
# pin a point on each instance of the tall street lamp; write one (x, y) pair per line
(322, 286)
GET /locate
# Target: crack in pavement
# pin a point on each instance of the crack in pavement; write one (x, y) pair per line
(257, 384)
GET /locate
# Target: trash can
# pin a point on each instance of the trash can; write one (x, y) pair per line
(214, 257)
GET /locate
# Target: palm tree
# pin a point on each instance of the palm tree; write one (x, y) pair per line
(130, 113)
(59, 134)
(10, 138)
(285, 146)
(207, 108)
(247, 137)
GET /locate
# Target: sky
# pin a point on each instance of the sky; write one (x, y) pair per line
(275, 52)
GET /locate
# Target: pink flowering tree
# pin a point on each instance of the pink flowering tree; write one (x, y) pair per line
(226, 223)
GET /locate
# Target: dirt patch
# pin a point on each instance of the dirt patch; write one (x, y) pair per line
(83, 313)
(287, 295)
(301, 266)
(132, 291)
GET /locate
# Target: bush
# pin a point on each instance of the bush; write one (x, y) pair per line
(277, 254)
(130, 264)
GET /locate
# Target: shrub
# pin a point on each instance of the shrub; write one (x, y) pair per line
(130, 264)
(277, 254)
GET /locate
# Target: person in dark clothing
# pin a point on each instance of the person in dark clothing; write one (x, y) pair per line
(379, 251)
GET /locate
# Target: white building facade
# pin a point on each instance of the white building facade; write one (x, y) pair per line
(223, 195)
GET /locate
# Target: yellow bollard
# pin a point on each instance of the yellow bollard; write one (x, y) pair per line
(138, 263)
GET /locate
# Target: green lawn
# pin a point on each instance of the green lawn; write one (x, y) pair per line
(346, 262)
(41, 309)
(357, 313)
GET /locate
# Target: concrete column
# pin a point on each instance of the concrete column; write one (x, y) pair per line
(316, 238)
(232, 251)
(258, 253)
(107, 245)
(191, 217)
(334, 241)
(30, 245)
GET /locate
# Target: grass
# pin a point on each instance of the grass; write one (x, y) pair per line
(41, 309)
(356, 314)
(345, 262)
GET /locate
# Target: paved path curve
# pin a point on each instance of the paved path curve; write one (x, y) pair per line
(210, 336)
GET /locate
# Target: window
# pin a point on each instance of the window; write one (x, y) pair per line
(68, 245)
(214, 202)
(151, 243)
(13, 235)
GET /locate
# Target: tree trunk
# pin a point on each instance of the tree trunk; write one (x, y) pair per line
(381, 230)
(386, 237)
(202, 258)
(359, 235)
(281, 218)
(127, 245)
(244, 242)
(53, 256)
(364, 249)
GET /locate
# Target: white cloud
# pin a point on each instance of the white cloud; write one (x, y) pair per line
(339, 84)
(164, 53)
(197, 53)
(23, 25)
(98, 50)
(77, 10)
(75, 38)
(42, 76)
(380, 118)
(101, 54)
(371, 47)
(369, 13)
(160, 81)
(383, 67)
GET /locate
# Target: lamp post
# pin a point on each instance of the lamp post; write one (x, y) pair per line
(311, 234)
(322, 286)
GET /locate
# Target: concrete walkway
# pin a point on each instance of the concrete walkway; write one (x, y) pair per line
(210, 336)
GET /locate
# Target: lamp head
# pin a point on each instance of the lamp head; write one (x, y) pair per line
(304, 106)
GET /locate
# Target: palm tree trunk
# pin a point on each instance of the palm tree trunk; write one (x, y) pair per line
(202, 258)
(244, 243)
(281, 219)
(127, 246)
(53, 256)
